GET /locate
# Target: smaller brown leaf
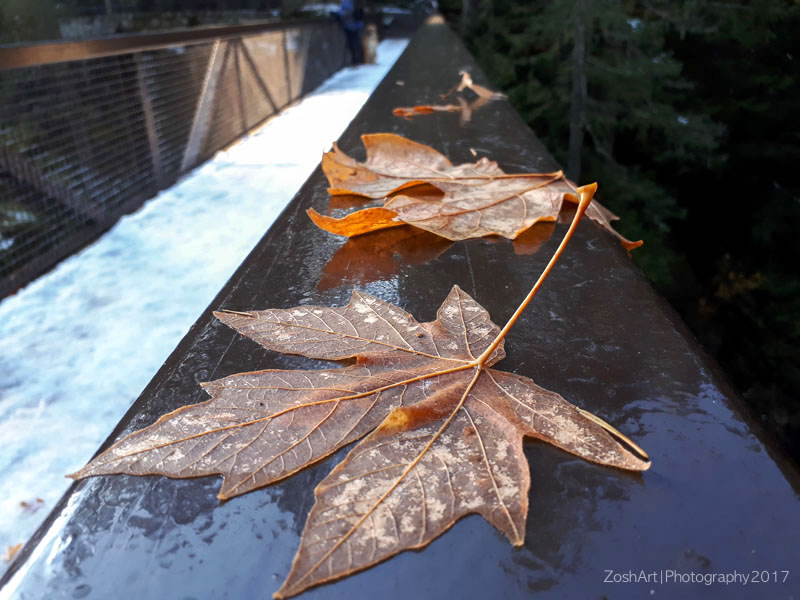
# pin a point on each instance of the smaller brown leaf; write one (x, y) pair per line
(423, 109)
(362, 221)
(467, 83)
(395, 163)
(478, 199)
(504, 207)
(11, 552)
(32, 506)
(603, 217)
(465, 108)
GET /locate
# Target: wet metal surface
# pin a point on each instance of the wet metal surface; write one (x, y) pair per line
(715, 501)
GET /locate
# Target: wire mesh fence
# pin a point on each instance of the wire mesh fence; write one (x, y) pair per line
(84, 142)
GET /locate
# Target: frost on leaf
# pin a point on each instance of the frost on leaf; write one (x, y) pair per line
(477, 199)
(443, 435)
(441, 430)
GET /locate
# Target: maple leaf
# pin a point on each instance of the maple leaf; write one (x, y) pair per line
(11, 552)
(262, 426)
(467, 83)
(443, 429)
(484, 96)
(465, 108)
(476, 199)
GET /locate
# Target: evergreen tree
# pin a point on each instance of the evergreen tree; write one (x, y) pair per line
(684, 111)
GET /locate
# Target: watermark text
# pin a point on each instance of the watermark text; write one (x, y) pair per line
(671, 576)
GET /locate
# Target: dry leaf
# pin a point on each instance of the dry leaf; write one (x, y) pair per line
(32, 506)
(362, 221)
(484, 95)
(423, 109)
(446, 429)
(478, 199)
(465, 108)
(11, 552)
(260, 427)
(467, 83)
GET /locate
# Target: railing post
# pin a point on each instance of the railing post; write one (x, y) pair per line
(205, 105)
(149, 120)
(242, 114)
(286, 67)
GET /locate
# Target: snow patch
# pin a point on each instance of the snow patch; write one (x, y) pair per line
(79, 344)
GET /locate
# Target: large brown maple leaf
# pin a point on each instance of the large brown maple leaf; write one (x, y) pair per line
(476, 199)
(443, 429)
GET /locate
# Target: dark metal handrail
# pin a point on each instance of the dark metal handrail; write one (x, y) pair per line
(19, 56)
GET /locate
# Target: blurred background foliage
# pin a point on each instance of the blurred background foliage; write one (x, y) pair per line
(686, 114)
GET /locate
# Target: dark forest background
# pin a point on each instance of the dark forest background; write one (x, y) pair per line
(686, 114)
(684, 111)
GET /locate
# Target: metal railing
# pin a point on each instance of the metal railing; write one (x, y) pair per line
(90, 130)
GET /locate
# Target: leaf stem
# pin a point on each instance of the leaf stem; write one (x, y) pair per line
(614, 431)
(586, 192)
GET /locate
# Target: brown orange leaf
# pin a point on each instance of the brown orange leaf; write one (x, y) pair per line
(262, 426)
(484, 96)
(32, 506)
(362, 221)
(443, 429)
(423, 109)
(504, 207)
(11, 552)
(478, 198)
(467, 83)
(395, 163)
(465, 108)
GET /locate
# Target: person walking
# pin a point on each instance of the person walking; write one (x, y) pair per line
(351, 18)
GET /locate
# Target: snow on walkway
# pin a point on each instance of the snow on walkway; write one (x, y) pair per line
(78, 345)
